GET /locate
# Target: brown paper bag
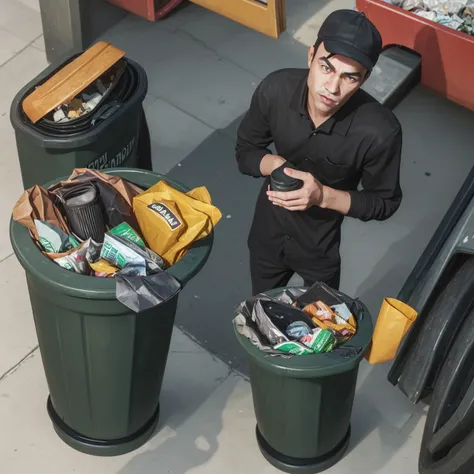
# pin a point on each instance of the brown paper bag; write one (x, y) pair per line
(394, 321)
(126, 189)
(37, 203)
(171, 220)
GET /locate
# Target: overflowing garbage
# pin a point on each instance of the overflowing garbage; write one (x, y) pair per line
(88, 99)
(88, 88)
(456, 14)
(300, 321)
(103, 226)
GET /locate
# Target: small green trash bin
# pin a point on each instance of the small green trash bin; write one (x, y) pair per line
(303, 404)
(118, 138)
(104, 364)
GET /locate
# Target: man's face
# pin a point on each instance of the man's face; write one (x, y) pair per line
(332, 81)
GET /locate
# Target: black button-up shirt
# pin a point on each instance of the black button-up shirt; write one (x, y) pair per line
(359, 145)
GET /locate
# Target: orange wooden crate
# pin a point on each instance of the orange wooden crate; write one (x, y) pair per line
(447, 55)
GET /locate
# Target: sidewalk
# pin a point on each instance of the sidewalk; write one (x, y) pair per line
(202, 70)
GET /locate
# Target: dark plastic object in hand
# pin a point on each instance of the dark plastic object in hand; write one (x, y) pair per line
(280, 181)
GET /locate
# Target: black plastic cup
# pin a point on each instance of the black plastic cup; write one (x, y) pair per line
(280, 181)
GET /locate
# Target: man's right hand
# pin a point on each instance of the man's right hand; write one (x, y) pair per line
(270, 163)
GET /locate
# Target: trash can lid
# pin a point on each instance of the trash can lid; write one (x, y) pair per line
(83, 286)
(71, 79)
(314, 365)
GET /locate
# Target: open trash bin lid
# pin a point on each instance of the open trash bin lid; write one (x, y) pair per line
(70, 80)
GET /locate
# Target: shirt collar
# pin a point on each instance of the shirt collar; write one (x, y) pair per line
(340, 122)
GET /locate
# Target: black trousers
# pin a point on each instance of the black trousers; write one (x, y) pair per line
(270, 270)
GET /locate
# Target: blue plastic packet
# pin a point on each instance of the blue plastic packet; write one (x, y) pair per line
(297, 330)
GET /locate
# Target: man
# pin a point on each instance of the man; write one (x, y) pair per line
(338, 137)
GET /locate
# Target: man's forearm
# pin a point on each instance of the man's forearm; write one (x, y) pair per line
(336, 200)
(269, 163)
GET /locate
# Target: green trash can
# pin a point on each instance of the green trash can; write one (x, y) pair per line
(104, 364)
(303, 404)
(117, 138)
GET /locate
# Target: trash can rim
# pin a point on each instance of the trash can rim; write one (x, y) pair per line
(312, 366)
(84, 286)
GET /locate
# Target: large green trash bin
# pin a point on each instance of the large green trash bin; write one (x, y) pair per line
(303, 404)
(118, 139)
(104, 364)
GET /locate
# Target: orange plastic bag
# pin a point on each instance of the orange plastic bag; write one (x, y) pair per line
(394, 321)
(326, 318)
(170, 220)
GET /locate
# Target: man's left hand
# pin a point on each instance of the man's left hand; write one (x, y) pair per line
(311, 194)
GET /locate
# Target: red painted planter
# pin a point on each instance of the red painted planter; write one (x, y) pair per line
(447, 54)
(150, 9)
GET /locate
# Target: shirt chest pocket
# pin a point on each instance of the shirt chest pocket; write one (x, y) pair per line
(330, 171)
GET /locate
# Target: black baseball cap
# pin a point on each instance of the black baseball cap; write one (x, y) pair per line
(351, 34)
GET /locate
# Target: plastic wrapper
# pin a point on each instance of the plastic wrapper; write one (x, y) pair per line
(124, 230)
(122, 253)
(297, 330)
(290, 296)
(293, 347)
(76, 259)
(93, 251)
(316, 342)
(52, 239)
(171, 221)
(324, 316)
(143, 293)
(320, 340)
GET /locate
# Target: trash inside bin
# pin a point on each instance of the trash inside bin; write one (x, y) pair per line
(101, 217)
(104, 363)
(303, 401)
(101, 126)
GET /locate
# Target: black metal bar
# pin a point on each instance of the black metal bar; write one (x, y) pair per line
(73, 25)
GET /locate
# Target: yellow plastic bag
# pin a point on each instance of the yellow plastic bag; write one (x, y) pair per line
(102, 268)
(170, 220)
(394, 321)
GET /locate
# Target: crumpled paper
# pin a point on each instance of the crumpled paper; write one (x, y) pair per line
(36, 204)
(455, 14)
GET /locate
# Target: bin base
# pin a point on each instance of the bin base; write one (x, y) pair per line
(97, 447)
(303, 466)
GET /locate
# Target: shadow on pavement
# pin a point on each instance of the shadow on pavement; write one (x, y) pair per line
(379, 406)
(189, 440)
(206, 308)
